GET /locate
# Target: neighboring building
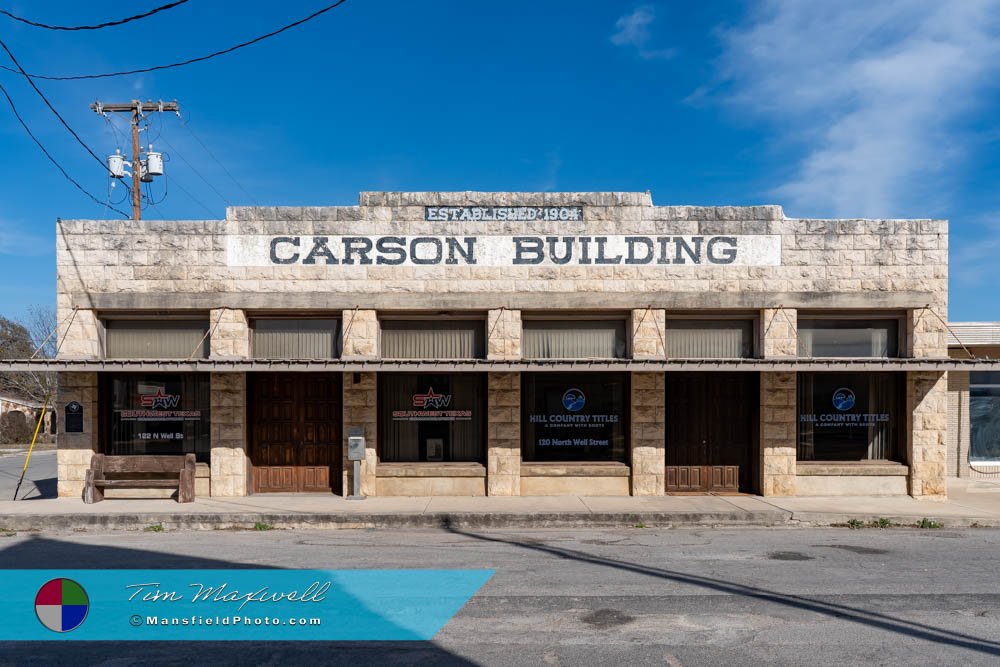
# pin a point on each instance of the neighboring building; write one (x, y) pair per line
(10, 403)
(974, 402)
(510, 344)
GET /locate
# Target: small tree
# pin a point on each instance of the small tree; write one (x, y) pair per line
(19, 340)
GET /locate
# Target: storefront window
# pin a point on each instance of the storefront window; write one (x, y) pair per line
(156, 414)
(156, 339)
(848, 416)
(575, 417)
(433, 339)
(984, 417)
(296, 338)
(709, 339)
(433, 417)
(848, 338)
(574, 339)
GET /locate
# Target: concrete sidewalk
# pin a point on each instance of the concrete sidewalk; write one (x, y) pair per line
(971, 503)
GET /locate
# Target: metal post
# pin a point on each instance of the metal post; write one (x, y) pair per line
(356, 483)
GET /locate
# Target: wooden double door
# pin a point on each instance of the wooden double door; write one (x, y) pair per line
(295, 432)
(711, 431)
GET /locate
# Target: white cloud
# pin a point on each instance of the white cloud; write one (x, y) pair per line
(14, 241)
(633, 32)
(874, 92)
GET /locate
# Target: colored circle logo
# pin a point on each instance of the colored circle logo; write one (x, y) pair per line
(573, 400)
(61, 605)
(843, 399)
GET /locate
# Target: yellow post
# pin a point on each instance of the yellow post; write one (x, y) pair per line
(38, 427)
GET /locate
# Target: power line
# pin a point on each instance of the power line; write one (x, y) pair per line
(187, 126)
(190, 196)
(52, 159)
(52, 108)
(93, 27)
(189, 61)
(174, 151)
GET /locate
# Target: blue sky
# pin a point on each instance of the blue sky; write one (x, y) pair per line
(846, 109)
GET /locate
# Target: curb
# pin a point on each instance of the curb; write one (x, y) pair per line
(414, 520)
(462, 520)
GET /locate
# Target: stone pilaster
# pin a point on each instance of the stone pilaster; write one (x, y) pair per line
(231, 337)
(926, 334)
(648, 328)
(648, 434)
(361, 410)
(75, 449)
(503, 339)
(777, 434)
(503, 454)
(958, 425)
(779, 333)
(81, 336)
(359, 331)
(927, 410)
(229, 462)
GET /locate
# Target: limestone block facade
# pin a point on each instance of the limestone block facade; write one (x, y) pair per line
(229, 435)
(508, 261)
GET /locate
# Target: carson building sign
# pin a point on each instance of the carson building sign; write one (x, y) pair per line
(747, 250)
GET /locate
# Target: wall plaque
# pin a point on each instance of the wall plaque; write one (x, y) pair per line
(73, 421)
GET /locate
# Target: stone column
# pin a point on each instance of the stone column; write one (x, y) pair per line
(231, 337)
(648, 328)
(648, 434)
(503, 435)
(75, 449)
(359, 334)
(361, 409)
(778, 339)
(779, 333)
(503, 339)
(926, 335)
(927, 405)
(229, 463)
(777, 434)
(927, 418)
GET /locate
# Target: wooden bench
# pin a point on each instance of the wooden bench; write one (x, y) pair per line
(140, 472)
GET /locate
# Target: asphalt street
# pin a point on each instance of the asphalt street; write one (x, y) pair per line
(625, 597)
(39, 480)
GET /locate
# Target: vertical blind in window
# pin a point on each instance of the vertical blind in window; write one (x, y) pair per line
(709, 339)
(573, 339)
(296, 339)
(157, 339)
(848, 338)
(442, 339)
(848, 416)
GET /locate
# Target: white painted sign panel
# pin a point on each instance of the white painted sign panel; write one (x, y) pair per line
(526, 250)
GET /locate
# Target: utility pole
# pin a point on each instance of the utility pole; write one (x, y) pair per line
(136, 109)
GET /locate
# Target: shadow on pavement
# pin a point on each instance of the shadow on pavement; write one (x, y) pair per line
(46, 553)
(43, 488)
(844, 612)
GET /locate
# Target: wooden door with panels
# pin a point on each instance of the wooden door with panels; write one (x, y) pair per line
(711, 422)
(295, 432)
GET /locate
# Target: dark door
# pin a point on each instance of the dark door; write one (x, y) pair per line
(711, 431)
(295, 432)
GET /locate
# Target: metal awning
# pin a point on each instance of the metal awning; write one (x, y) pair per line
(481, 365)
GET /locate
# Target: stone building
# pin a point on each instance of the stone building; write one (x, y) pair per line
(511, 344)
(27, 409)
(974, 402)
